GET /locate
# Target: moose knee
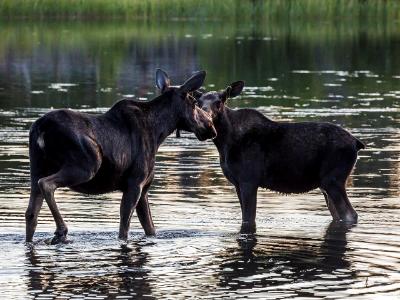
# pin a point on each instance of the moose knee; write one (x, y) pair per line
(43, 185)
(332, 182)
(30, 214)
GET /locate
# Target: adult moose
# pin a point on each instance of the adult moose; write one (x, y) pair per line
(113, 151)
(285, 157)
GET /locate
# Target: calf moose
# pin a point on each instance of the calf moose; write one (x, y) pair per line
(113, 151)
(285, 157)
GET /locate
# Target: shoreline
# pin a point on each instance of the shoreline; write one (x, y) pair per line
(207, 10)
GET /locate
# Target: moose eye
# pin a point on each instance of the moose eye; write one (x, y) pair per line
(218, 104)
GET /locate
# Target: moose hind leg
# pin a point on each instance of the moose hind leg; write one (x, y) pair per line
(338, 203)
(32, 212)
(130, 199)
(333, 184)
(67, 176)
(144, 213)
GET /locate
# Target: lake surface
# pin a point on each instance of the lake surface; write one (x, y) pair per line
(347, 73)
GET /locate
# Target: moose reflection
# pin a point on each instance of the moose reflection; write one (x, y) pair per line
(270, 263)
(122, 274)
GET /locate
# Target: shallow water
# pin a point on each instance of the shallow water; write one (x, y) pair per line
(348, 74)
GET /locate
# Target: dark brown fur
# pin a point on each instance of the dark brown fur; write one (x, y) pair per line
(95, 154)
(285, 157)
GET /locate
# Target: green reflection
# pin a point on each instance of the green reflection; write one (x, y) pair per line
(205, 9)
(106, 60)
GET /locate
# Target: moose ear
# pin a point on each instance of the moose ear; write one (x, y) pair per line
(194, 82)
(232, 90)
(162, 80)
(198, 93)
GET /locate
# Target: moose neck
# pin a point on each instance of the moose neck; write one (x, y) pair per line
(162, 119)
(224, 127)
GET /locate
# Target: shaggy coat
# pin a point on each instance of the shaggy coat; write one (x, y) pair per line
(96, 154)
(284, 157)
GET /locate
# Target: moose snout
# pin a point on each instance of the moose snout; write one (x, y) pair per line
(206, 109)
(214, 131)
(208, 130)
(210, 125)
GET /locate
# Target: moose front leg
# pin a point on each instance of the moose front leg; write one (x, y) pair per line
(248, 199)
(130, 199)
(239, 196)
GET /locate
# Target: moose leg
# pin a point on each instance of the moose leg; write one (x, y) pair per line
(248, 198)
(32, 213)
(66, 177)
(338, 203)
(239, 196)
(130, 199)
(144, 214)
(333, 184)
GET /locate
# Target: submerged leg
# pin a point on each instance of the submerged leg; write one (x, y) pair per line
(130, 199)
(66, 177)
(248, 199)
(32, 212)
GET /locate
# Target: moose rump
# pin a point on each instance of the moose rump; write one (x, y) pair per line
(68, 141)
(298, 156)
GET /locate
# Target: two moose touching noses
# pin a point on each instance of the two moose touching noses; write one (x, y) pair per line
(96, 154)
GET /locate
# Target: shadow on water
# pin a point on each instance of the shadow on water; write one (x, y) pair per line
(273, 263)
(122, 274)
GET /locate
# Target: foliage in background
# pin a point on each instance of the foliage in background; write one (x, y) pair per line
(204, 9)
(122, 55)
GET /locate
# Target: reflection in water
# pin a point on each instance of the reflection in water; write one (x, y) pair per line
(255, 265)
(133, 274)
(294, 71)
(71, 272)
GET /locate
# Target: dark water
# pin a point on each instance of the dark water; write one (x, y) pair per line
(347, 73)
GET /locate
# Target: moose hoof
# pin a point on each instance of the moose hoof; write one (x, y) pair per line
(59, 239)
(60, 236)
(352, 219)
(348, 217)
(248, 228)
(123, 238)
(150, 232)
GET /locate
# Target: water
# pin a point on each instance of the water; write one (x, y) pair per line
(343, 73)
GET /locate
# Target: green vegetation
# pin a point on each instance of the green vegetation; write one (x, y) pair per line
(227, 50)
(204, 9)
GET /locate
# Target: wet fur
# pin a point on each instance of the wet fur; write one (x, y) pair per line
(96, 154)
(284, 157)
